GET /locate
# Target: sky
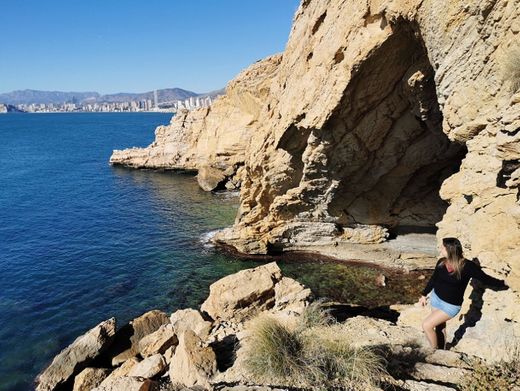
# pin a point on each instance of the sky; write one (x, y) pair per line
(112, 46)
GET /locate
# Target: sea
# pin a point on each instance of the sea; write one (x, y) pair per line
(82, 241)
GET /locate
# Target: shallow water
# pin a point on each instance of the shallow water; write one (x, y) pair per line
(81, 241)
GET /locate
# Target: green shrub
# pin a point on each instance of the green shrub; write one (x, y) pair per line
(310, 354)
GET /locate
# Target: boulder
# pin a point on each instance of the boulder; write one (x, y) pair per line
(121, 371)
(75, 357)
(149, 367)
(190, 319)
(128, 384)
(126, 343)
(193, 363)
(439, 373)
(90, 378)
(244, 293)
(158, 341)
(209, 178)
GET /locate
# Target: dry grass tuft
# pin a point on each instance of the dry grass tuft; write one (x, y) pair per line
(310, 355)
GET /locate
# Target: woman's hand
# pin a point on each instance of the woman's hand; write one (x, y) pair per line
(422, 301)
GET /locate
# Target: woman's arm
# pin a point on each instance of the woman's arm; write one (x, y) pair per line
(429, 285)
(477, 272)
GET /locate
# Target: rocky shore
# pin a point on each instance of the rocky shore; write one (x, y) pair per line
(203, 348)
(383, 127)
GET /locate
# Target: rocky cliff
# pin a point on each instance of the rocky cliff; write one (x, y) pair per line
(210, 140)
(380, 119)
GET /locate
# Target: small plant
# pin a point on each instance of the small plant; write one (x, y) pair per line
(501, 376)
(311, 354)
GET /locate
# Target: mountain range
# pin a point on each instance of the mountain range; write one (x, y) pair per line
(57, 97)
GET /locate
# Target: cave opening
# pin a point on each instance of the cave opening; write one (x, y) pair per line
(387, 152)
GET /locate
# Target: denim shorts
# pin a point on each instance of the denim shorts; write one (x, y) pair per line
(448, 308)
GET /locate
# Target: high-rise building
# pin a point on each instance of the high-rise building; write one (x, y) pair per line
(155, 99)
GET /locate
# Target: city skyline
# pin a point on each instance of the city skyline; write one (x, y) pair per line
(101, 46)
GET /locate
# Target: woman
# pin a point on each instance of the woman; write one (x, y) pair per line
(447, 285)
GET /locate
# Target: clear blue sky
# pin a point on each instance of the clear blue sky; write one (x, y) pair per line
(136, 45)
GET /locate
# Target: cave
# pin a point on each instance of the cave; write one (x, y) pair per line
(386, 153)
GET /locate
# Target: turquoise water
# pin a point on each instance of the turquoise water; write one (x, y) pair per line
(81, 241)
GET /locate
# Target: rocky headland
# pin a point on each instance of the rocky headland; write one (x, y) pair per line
(383, 127)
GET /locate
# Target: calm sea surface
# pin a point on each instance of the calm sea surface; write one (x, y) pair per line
(81, 241)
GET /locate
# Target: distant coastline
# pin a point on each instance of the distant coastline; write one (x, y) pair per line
(168, 100)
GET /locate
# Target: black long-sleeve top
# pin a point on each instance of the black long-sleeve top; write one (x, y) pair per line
(450, 289)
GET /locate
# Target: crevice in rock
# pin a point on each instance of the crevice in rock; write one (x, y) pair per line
(225, 351)
(508, 167)
(319, 22)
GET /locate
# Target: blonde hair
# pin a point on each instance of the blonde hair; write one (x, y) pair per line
(455, 257)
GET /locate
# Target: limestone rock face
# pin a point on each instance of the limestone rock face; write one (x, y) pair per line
(387, 117)
(243, 293)
(74, 358)
(212, 140)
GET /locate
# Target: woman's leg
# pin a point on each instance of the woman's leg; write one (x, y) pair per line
(440, 331)
(429, 324)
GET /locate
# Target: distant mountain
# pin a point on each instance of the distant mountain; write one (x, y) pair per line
(35, 96)
(58, 97)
